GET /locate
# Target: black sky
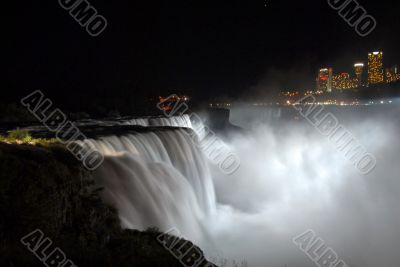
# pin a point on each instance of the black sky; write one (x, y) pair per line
(204, 48)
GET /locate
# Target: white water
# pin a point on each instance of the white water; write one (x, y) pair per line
(291, 179)
(176, 121)
(157, 179)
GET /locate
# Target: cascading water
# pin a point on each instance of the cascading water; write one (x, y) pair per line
(176, 121)
(291, 179)
(158, 178)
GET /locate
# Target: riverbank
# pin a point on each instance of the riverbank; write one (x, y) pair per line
(46, 188)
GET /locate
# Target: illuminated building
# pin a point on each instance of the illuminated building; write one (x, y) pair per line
(344, 82)
(374, 74)
(375, 68)
(392, 75)
(171, 102)
(359, 69)
(330, 77)
(324, 80)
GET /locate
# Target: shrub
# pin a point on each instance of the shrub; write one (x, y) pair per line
(22, 136)
(19, 134)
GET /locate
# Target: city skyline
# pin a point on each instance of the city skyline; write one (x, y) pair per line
(374, 72)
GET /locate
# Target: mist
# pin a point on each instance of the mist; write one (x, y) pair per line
(292, 179)
(273, 81)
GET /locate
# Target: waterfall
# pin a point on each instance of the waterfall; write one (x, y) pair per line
(158, 178)
(175, 121)
(291, 179)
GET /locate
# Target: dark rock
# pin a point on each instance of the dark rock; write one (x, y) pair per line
(47, 189)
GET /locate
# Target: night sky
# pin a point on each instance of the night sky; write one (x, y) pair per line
(203, 48)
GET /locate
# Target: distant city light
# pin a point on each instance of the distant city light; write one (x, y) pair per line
(327, 81)
(375, 68)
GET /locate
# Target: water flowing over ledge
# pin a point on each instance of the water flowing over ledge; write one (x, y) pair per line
(158, 178)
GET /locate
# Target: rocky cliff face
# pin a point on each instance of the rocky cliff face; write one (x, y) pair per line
(47, 189)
